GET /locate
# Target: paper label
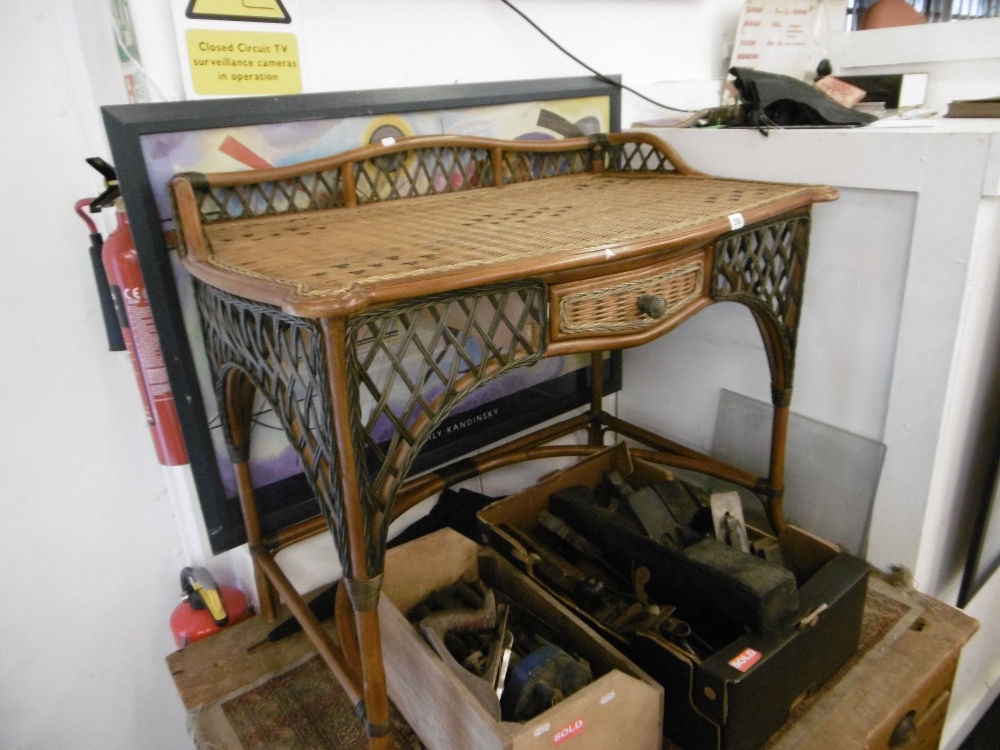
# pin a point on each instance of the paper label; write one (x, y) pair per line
(570, 730)
(776, 35)
(736, 221)
(745, 660)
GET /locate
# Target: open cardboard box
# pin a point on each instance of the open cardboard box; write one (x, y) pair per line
(740, 695)
(623, 707)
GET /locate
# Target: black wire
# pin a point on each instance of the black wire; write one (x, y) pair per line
(597, 73)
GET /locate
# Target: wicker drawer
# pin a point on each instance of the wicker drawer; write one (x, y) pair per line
(633, 302)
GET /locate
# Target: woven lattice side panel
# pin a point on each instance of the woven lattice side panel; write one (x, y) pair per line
(636, 157)
(311, 191)
(422, 171)
(764, 267)
(525, 166)
(411, 363)
(283, 356)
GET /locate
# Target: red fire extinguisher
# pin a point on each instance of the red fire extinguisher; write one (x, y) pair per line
(128, 291)
(206, 608)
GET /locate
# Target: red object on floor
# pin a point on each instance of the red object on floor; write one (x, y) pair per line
(190, 625)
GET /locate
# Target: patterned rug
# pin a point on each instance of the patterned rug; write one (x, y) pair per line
(305, 709)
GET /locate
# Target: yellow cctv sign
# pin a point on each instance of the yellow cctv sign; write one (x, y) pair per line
(243, 62)
(264, 11)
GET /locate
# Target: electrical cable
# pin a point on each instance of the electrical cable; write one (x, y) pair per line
(597, 73)
(152, 81)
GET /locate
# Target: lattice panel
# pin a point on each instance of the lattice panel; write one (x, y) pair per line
(283, 356)
(411, 363)
(423, 171)
(764, 267)
(311, 191)
(524, 166)
(636, 157)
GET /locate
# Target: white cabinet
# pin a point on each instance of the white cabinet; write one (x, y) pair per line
(899, 339)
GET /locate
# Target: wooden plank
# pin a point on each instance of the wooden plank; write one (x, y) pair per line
(910, 670)
(212, 668)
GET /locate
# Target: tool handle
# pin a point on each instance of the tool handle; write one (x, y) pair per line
(203, 593)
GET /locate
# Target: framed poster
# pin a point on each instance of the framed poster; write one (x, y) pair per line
(152, 142)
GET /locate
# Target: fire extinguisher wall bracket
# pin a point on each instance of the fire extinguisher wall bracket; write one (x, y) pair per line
(111, 328)
(128, 291)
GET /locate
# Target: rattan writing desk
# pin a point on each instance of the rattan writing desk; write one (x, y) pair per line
(363, 295)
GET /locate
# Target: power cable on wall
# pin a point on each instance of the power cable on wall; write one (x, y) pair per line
(577, 60)
(152, 81)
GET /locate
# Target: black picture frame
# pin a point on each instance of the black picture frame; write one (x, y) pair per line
(983, 558)
(126, 125)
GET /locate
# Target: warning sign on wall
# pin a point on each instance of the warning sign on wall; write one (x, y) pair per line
(243, 62)
(225, 51)
(263, 11)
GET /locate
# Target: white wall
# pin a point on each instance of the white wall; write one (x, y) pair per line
(92, 552)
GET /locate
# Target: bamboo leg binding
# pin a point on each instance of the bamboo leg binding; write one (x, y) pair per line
(374, 709)
(776, 473)
(596, 429)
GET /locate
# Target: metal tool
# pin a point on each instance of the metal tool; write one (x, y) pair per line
(435, 627)
(492, 670)
(508, 647)
(540, 680)
(679, 499)
(555, 569)
(322, 606)
(727, 518)
(569, 535)
(654, 517)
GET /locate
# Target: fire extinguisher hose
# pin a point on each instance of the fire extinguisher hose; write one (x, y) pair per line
(111, 327)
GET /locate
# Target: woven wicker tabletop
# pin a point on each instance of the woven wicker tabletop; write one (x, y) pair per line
(323, 254)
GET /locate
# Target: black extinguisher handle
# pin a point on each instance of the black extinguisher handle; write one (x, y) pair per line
(112, 326)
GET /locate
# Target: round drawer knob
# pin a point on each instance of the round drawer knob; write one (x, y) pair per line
(905, 732)
(652, 305)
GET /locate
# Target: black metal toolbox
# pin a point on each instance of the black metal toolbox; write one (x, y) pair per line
(738, 687)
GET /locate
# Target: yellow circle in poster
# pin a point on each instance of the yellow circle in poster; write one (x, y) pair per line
(385, 175)
(385, 126)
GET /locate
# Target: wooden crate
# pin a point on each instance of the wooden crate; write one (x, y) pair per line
(621, 708)
(714, 704)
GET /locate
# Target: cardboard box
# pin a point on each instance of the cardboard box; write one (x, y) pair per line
(623, 707)
(740, 695)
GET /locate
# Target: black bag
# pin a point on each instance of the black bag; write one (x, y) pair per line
(774, 99)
